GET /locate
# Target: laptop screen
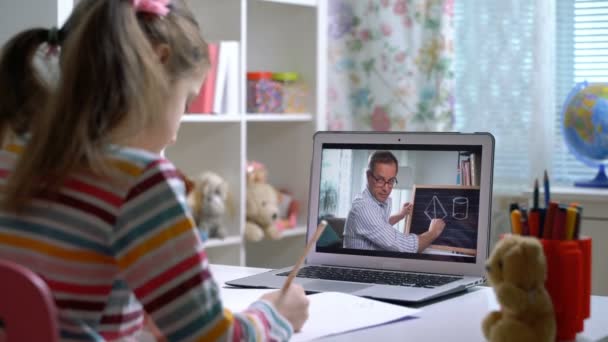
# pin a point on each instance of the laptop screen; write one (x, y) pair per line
(400, 201)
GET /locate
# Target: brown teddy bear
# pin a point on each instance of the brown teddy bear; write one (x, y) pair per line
(517, 271)
(289, 208)
(262, 212)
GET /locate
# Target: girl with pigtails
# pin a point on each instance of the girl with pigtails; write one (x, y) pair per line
(88, 203)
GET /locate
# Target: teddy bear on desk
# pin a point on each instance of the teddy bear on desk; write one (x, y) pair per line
(517, 271)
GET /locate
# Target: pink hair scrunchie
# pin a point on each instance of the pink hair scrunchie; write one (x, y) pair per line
(158, 7)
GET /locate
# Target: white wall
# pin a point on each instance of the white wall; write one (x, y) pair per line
(18, 15)
(433, 167)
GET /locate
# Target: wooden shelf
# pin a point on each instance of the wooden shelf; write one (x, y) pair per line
(210, 118)
(305, 117)
(228, 241)
(297, 231)
(309, 3)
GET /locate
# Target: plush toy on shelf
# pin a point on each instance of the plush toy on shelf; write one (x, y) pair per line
(210, 202)
(517, 271)
(288, 207)
(262, 205)
(262, 212)
(256, 172)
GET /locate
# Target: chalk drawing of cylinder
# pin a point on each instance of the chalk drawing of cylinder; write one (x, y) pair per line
(460, 208)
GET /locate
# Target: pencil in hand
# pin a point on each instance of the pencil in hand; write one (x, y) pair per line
(296, 267)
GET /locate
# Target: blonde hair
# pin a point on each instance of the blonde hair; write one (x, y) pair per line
(112, 84)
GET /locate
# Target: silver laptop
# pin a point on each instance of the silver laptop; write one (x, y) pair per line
(372, 246)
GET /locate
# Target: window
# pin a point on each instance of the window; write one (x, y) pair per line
(493, 73)
(581, 54)
(515, 62)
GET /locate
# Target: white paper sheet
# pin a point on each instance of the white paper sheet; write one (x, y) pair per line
(358, 312)
(325, 310)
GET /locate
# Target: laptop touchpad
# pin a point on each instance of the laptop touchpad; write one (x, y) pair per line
(325, 286)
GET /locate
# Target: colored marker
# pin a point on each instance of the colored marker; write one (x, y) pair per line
(516, 222)
(535, 198)
(547, 192)
(542, 213)
(534, 222)
(577, 225)
(570, 222)
(559, 224)
(549, 220)
(525, 230)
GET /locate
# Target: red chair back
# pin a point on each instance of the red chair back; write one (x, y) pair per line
(27, 309)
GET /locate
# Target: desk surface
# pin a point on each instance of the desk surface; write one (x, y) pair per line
(456, 318)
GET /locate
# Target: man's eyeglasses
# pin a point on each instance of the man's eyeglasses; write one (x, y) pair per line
(380, 182)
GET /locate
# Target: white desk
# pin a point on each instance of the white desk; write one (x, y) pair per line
(456, 318)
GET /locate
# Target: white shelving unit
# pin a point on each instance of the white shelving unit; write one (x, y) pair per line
(279, 117)
(274, 35)
(297, 231)
(210, 118)
(311, 3)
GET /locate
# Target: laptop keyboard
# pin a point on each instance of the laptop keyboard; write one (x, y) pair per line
(373, 277)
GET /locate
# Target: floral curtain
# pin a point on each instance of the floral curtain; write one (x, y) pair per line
(390, 65)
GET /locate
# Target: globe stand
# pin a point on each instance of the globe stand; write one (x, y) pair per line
(600, 180)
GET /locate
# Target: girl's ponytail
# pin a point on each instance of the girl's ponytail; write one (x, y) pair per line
(113, 84)
(23, 90)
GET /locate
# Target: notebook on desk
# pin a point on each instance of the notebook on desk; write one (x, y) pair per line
(368, 248)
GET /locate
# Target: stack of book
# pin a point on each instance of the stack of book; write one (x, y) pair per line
(468, 169)
(219, 93)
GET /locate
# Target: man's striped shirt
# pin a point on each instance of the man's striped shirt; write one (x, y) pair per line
(367, 227)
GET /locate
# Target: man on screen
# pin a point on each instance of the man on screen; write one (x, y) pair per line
(369, 224)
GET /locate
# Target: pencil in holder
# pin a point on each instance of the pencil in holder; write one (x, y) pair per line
(569, 283)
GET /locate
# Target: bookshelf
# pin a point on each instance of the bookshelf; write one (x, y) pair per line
(469, 168)
(275, 35)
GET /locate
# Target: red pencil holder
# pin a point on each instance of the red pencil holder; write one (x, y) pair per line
(569, 283)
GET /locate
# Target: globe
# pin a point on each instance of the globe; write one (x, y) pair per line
(585, 128)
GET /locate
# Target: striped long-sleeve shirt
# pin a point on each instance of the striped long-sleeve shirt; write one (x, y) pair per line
(367, 227)
(110, 247)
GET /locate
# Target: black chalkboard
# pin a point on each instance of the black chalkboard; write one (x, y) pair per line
(457, 205)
